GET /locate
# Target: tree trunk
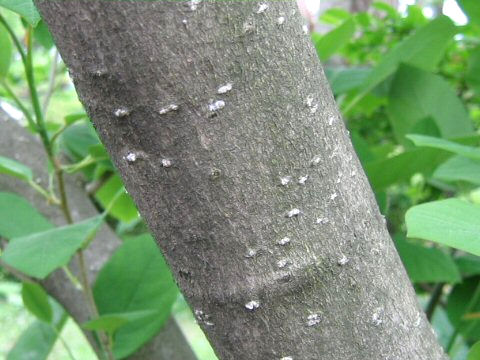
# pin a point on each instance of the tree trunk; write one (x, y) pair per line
(254, 194)
(17, 143)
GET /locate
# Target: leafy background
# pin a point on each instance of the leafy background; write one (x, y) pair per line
(408, 86)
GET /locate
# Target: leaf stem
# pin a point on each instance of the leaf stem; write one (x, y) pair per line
(73, 279)
(435, 298)
(87, 290)
(49, 196)
(27, 59)
(51, 82)
(20, 105)
(64, 343)
(473, 301)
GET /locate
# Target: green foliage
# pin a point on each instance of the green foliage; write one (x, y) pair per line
(459, 149)
(14, 168)
(330, 43)
(427, 264)
(412, 51)
(135, 280)
(417, 95)
(124, 208)
(463, 301)
(387, 171)
(112, 322)
(39, 337)
(472, 77)
(6, 53)
(474, 353)
(35, 300)
(451, 222)
(24, 8)
(409, 90)
(471, 9)
(40, 253)
(468, 265)
(26, 219)
(37, 341)
(458, 169)
(42, 35)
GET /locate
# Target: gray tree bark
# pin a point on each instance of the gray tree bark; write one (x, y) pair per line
(18, 144)
(255, 195)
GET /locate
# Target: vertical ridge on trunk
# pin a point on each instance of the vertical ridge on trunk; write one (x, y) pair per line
(224, 175)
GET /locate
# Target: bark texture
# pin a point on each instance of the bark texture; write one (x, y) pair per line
(18, 144)
(207, 173)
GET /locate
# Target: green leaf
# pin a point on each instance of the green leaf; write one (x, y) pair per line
(385, 172)
(19, 218)
(78, 138)
(472, 77)
(427, 264)
(469, 265)
(447, 145)
(331, 42)
(42, 35)
(345, 80)
(416, 94)
(426, 126)
(390, 10)
(136, 278)
(124, 208)
(14, 168)
(474, 353)
(6, 53)
(24, 8)
(459, 168)
(41, 253)
(334, 16)
(450, 222)
(72, 118)
(35, 300)
(38, 339)
(112, 322)
(362, 148)
(472, 10)
(461, 301)
(423, 49)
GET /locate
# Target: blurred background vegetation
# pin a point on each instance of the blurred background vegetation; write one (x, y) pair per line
(406, 76)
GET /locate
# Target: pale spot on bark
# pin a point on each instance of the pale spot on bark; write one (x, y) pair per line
(283, 241)
(343, 260)
(168, 108)
(285, 180)
(252, 305)
(121, 112)
(224, 89)
(262, 8)
(167, 163)
(293, 212)
(131, 157)
(217, 105)
(302, 180)
(313, 319)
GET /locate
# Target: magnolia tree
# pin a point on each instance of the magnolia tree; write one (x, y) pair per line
(221, 123)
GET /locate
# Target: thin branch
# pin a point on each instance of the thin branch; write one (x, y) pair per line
(87, 291)
(51, 82)
(435, 298)
(18, 274)
(19, 103)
